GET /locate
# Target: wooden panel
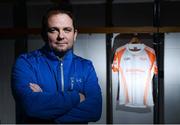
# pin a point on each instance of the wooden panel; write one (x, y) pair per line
(15, 32)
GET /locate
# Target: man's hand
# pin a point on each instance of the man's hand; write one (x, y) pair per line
(35, 87)
(82, 97)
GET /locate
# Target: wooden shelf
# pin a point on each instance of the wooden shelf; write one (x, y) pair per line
(16, 32)
(169, 29)
(117, 30)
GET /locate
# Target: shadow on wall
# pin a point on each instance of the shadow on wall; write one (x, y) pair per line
(7, 104)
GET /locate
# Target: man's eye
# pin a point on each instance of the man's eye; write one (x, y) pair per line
(67, 30)
(51, 30)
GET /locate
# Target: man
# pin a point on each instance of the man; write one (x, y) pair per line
(51, 84)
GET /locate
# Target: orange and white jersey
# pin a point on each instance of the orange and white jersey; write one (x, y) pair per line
(134, 66)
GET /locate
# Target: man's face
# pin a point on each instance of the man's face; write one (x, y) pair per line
(61, 33)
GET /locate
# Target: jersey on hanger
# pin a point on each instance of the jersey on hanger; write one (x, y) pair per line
(134, 66)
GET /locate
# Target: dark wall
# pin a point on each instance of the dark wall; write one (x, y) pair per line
(170, 14)
(90, 15)
(128, 14)
(134, 14)
(6, 18)
(124, 14)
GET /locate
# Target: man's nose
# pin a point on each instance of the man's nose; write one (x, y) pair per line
(60, 36)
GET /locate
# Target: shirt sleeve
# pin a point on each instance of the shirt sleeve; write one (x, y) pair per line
(42, 105)
(90, 109)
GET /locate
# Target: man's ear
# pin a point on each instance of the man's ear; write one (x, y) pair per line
(75, 34)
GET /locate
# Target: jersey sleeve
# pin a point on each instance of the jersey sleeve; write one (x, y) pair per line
(115, 63)
(117, 58)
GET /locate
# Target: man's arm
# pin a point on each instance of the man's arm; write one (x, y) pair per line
(39, 104)
(90, 109)
(36, 88)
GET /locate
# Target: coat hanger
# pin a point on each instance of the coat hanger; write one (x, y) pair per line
(134, 43)
(135, 39)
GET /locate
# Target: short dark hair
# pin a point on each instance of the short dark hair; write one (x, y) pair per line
(65, 8)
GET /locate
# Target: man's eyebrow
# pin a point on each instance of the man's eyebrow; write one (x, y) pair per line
(55, 28)
(70, 28)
